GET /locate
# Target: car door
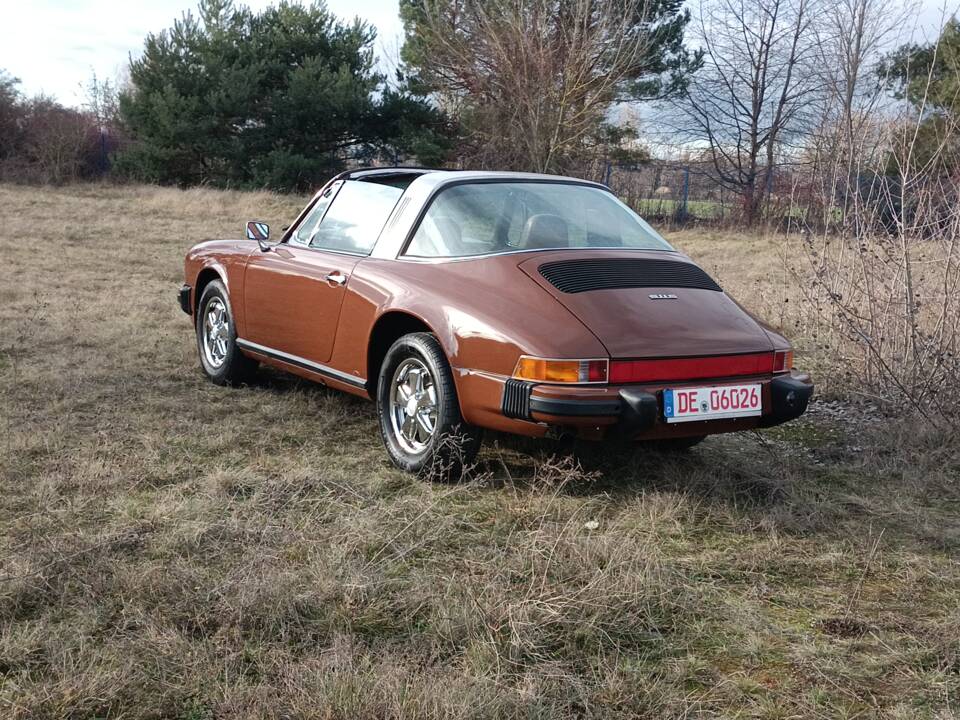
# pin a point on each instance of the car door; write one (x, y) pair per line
(294, 292)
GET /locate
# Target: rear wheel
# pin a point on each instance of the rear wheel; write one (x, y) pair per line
(220, 357)
(419, 413)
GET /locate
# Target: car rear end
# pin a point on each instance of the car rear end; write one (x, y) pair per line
(665, 397)
(683, 358)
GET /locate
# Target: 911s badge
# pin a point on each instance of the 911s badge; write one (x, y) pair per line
(662, 296)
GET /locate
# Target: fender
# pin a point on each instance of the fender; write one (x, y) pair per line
(228, 259)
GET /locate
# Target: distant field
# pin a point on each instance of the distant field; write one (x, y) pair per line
(172, 549)
(703, 209)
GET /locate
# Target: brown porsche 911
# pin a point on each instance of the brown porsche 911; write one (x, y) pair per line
(457, 301)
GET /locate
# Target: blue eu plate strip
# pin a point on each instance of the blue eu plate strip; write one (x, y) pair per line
(668, 403)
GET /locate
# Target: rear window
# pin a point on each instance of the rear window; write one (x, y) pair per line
(487, 218)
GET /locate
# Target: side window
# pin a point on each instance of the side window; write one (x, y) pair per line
(308, 227)
(356, 217)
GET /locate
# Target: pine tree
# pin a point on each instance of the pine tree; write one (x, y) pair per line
(273, 99)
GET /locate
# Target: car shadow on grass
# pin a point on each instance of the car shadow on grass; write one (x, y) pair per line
(811, 475)
(282, 383)
(741, 469)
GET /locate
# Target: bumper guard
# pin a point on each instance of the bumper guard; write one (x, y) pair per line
(184, 297)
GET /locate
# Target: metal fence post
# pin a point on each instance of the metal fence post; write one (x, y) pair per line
(686, 191)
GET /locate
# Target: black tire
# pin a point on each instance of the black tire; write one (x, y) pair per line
(453, 444)
(235, 367)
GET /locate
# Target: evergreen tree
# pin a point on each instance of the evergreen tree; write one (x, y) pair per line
(928, 77)
(278, 99)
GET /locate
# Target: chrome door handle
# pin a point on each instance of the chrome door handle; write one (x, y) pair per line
(336, 277)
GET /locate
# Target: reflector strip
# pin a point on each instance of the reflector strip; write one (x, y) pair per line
(696, 368)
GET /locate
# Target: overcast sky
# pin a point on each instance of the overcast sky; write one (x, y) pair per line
(54, 46)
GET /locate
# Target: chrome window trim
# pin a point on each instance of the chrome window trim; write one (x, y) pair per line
(421, 259)
(293, 238)
(430, 191)
(329, 250)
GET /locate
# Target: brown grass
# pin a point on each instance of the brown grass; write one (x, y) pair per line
(169, 548)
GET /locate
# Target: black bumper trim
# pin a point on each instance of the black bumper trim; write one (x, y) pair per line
(639, 410)
(577, 408)
(184, 297)
(789, 398)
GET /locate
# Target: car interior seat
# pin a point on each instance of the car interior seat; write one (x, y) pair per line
(450, 234)
(544, 231)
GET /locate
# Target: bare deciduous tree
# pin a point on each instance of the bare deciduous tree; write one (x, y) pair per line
(533, 81)
(755, 91)
(56, 140)
(853, 36)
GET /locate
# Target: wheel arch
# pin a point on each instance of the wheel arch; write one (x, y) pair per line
(204, 278)
(390, 327)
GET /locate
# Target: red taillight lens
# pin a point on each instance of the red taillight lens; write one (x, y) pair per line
(597, 370)
(637, 371)
(783, 361)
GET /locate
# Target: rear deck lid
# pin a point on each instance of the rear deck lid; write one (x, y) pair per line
(647, 304)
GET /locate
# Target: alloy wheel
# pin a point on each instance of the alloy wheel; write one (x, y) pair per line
(413, 405)
(216, 331)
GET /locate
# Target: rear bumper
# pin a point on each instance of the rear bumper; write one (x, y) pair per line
(637, 411)
(184, 297)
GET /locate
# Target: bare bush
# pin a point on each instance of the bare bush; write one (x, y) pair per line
(885, 281)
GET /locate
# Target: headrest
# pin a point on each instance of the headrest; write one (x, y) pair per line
(544, 231)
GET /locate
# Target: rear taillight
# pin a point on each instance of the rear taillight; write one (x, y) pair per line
(695, 368)
(783, 361)
(561, 371)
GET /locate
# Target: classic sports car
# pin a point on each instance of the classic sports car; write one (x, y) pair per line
(530, 304)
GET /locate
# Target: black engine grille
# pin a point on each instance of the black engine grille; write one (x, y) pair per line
(576, 276)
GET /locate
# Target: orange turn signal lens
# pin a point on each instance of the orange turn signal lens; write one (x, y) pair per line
(561, 371)
(783, 361)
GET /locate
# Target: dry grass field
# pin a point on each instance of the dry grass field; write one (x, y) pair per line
(172, 549)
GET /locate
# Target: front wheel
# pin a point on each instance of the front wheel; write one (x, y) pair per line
(220, 357)
(420, 421)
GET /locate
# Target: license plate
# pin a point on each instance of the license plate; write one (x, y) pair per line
(712, 403)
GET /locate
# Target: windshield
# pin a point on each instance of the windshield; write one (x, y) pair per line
(484, 218)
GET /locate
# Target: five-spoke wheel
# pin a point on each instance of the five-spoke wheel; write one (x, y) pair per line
(216, 332)
(419, 412)
(220, 357)
(413, 410)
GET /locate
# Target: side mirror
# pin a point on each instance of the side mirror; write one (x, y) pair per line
(260, 232)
